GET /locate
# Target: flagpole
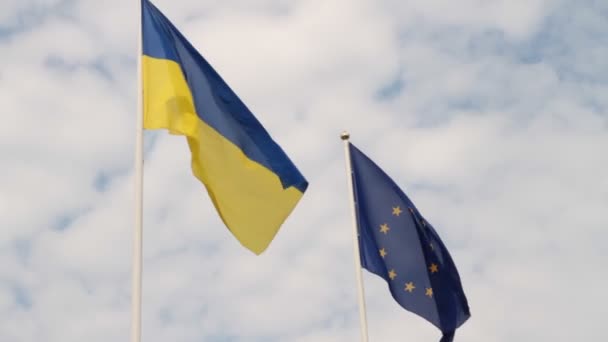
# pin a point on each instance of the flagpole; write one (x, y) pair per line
(138, 176)
(360, 292)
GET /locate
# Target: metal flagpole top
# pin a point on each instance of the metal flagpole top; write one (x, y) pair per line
(345, 135)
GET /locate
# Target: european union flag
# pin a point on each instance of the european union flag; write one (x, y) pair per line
(399, 245)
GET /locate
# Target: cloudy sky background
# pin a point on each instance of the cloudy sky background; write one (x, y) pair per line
(492, 115)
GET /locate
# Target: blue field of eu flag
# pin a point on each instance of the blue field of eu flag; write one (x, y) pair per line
(399, 245)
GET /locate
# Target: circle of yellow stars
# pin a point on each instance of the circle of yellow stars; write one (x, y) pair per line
(409, 286)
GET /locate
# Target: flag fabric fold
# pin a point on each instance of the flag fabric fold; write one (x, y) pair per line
(252, 183)
(398, 244)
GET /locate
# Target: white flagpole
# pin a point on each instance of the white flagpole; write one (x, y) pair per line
(361, 295)
(138, 175)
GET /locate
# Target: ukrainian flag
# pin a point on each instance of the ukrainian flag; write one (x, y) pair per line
(251, 181)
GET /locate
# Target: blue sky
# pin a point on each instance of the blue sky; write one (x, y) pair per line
(492, 115)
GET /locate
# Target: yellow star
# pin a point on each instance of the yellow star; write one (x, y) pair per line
(434, 268)
(429, 292)
(384, 228)
(409, 287)
(383, 252)
(396, 211)
(392, 274)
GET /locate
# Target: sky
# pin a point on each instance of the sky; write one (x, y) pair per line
(492, 115)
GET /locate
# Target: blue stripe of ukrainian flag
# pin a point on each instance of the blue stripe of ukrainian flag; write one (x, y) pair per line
(251, 181)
